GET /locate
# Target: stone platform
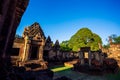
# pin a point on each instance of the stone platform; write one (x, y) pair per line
(33, 65)
(71, 63)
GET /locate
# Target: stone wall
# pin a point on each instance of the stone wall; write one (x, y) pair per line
(11, 13)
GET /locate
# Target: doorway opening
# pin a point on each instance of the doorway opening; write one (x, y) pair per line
(15, 51)
(34, 53)
(46, 55)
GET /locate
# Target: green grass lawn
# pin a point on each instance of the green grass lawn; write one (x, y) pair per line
(77, 75)
(66, 71)
(113, 76)
(60, 69)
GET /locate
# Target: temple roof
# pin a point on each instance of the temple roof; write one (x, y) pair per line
(33, 31)
(56, 45)
(48, 40)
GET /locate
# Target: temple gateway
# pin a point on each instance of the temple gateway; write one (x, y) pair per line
(28, 49)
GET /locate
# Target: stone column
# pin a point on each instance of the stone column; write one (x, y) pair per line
(57, 53)
(41, 51)
(81, 57)
(26, 49)
(89, 57)
(98, 56)
(101, 58)
(27, 52)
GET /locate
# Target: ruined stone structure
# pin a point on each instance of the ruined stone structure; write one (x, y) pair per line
(29, 49)
(51, 52)
(48, 44)
(95, 62)
(34, 41)
(114, 51)
(113, 46)
(86, 53)
(56, 49)
(48, 48)
(33, 47)
(11, 12)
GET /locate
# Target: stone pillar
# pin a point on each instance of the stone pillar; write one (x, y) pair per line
(58, 54)
(89, 57)
(41, 51)
(10, 16)
(81, 57)
(26, 49)
(63, 55)
(98, 56)
(101, 58)
(27, 52)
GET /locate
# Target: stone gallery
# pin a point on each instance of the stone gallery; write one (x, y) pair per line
(33, 47)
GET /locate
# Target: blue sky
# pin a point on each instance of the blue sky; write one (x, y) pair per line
(62, 18)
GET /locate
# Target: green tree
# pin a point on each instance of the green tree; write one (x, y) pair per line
(84, 38)
(115, 38)
(106, 46)
(64, 46)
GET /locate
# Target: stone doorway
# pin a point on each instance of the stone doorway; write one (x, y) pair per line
(15, 51)
(46, 55)
(86, 57)
(34, 53)
(85, 54)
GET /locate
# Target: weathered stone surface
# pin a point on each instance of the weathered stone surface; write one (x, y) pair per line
(48, 44)
(11, 12)
(30, 46)
(34, 32)
(109, 66)
(113, 51)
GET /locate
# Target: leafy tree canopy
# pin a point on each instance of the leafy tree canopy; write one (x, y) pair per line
(84, 38)
(106, 46)
(64, 46)
(115, 38)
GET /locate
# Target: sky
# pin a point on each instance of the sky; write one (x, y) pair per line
(61, 19)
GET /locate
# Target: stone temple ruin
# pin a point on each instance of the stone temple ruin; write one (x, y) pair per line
(95, 62)
(28, 50)
(96, 55)
(53, 53)
(34, 48)
(50, 50)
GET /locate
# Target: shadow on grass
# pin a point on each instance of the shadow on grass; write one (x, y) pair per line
(115, 76)
(56, 66)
